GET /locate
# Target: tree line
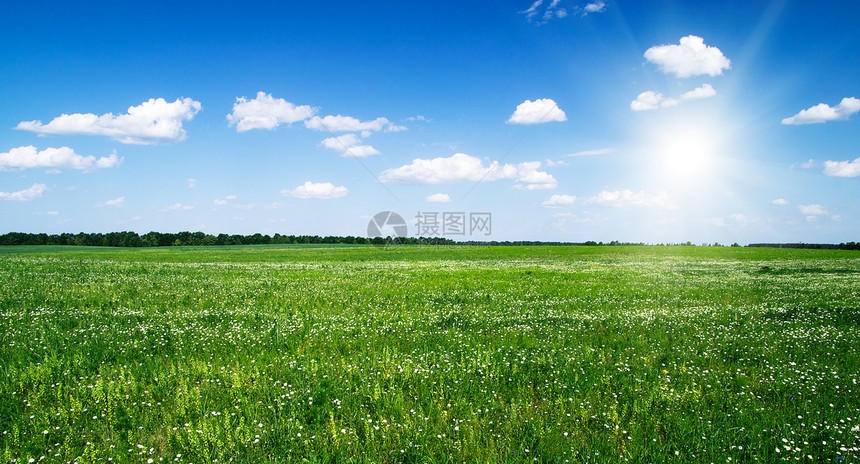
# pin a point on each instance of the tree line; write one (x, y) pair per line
(158, 239)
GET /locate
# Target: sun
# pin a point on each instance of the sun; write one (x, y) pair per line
(686, 153)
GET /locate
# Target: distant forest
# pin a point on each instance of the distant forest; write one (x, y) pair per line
(158, 239)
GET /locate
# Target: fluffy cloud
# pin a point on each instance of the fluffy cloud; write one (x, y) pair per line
(842, 168)
(705, 91)
(595, 7)
(600, 151)
(348, 145)
(115, 203)
(53, 158)
(558, 200)
(552, 10)
(266, 112)
(221, 202)
(323, 190)
(811, 210)
(177, 207)
(691, 58)
(650, 100)
(536, 112)
(780, 202)
(624, 198)
(823, 112)
(152, 122)
(439, 198)
(462, 167)
(349, 124)
(31, 193)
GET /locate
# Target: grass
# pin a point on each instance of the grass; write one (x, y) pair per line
(429, 354)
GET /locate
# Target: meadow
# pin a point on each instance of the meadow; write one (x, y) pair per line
(429, 354)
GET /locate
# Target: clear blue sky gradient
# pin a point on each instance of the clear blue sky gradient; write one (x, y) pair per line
(451, 74)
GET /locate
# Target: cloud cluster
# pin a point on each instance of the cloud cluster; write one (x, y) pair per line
(29, 194)
(349, 145)
(812, 210)
(598, 6)
(321, 190)
(651, 100)
(626, 198)
(152, 122)
(53, 158)
(341, 123)
(599, 151)
(533, 13)
(556, 201)
(266, 112)
(842, 168)
(439, 198)
(115, 203)
(537, 112)
(690, 58)
(221, 202)
(176, 207)
(462, 167)
(823, 112)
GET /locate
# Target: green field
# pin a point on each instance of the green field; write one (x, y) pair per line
(429, 354)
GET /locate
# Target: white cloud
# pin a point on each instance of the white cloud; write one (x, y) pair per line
(537, 112)
(115, 203)
(53, 158)
(191, 182)
(811, 210)
(323, 190)
(176, 207)
(349, 124)
(648, 100)
(551, 11)
(691, 58)
(624, 198)
(266, 112)
(221, 202)
(651, 100)
(47, 213)
(462, 167)
(705, 91)
(152, 122)
(439, 198)
(595, 7)
(842, 168)
(558, 200)
(31, 193)
(348, 145)
(823, 112)
(781, 202)
(600, 151)
(809, 164)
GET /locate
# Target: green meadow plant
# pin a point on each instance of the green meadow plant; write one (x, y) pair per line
(429, 354)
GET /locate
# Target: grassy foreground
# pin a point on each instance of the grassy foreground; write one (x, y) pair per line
(544, 354)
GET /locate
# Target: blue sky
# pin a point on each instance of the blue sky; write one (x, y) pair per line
(566, 120)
